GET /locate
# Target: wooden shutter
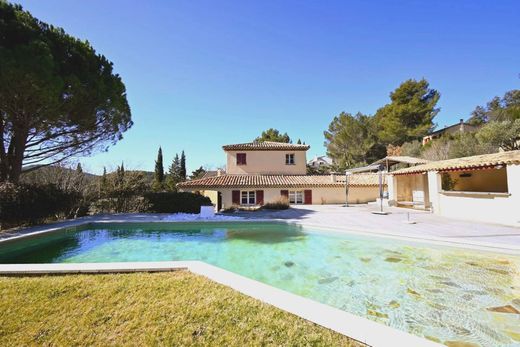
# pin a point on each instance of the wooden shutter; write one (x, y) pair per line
(235, 197)
(241, 159)
(259, 197)
(284, 194)
(307, 197)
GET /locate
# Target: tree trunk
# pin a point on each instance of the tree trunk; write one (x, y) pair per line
(11, 167)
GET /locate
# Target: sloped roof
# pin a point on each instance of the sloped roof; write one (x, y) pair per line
(265, 146)
(394, 159)
(474, 162)
(211, 173)
(279, 181)
(467, 126)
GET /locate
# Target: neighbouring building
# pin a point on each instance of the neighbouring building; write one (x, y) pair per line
(481, 188)
(262, 172)
(320, 162)
(459, 127)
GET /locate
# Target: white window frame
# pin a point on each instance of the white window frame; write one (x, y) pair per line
(249, 196)
(289, 159)
(296, 197)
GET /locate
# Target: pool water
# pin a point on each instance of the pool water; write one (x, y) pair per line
(441, 293)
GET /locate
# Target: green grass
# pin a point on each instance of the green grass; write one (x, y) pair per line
(173, 308)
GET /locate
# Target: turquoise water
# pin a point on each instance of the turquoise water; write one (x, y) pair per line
(442, 293)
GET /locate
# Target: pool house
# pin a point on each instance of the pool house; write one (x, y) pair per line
(480, 188)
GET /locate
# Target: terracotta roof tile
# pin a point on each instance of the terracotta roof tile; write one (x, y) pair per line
(265, 146)
(280, 181)
(474, 162)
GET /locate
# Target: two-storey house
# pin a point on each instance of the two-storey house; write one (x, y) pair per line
(261, 172)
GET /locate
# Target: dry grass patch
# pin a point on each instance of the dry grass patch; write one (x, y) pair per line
(173, 308)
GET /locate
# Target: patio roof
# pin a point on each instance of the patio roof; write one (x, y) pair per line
(279, 181)
(265, 146)
(475, 162)
(401, 159)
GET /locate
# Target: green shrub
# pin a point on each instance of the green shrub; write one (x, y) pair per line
(28, 204)
(173, 202)
(282, 204)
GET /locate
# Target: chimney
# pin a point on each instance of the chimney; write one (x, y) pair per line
(333, 177)
(461, 127)
(219, 172)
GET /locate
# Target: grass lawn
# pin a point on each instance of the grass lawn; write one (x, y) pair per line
(172, 308)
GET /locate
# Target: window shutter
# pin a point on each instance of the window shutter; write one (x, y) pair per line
(284, 194)
(259, 197)
(241, 159)
(235, 197)
(307, 197)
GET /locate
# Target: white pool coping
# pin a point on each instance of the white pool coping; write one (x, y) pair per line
(358, 328)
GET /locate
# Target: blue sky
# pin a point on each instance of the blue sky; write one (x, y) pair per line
(200, 74)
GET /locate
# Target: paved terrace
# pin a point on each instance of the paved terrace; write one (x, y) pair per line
(427, 226)
(355, 219)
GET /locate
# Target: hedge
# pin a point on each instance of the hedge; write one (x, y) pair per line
(173, 202)
(28, 204)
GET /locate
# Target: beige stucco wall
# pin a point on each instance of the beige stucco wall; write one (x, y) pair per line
(491, 180)
(319, 195)
(403, 187)
(267, 162)
(212, 195)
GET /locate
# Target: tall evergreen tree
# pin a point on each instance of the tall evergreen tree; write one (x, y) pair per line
(274, 135)
(351, 140)
(174, 173)
(197, 173)
(410, 113)
(59, 98)
(159, 172)
(182, 168)
(79, 169)
(103, 186)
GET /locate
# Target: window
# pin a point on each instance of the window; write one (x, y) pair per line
(289, 159)
(248, 197)
(296, 197)
(241, 159)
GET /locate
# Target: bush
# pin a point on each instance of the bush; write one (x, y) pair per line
(282, 204)
(28, 204)
(173, 202)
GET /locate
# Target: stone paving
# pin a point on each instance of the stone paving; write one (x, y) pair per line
(426, 225)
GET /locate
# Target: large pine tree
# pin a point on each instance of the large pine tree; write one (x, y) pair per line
(409, 116)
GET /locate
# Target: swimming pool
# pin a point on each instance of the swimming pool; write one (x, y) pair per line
(441, 293)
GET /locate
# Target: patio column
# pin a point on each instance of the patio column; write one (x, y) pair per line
(391, 188)
(434, 188)
(513, 186)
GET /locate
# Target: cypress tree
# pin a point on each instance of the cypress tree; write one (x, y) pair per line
(103, 187)
(159, 171)
(182, 169)
(79, 169)
(104, 178)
